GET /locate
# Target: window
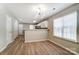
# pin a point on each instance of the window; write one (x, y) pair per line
(65, 26)
(70, 26)
(31, 27)
(58, 24)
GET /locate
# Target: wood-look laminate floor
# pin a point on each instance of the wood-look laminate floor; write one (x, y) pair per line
(18, 47)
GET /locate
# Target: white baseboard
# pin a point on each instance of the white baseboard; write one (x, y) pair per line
(65, 47)
(3, 48)
(35, 40)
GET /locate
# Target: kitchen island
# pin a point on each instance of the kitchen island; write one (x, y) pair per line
(36, 35)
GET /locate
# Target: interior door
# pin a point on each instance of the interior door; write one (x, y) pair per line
(20, 29)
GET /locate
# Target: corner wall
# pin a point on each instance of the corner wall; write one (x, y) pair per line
(5, 29)
(62, 42)
(2, 28)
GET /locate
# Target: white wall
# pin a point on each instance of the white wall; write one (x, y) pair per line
(26, 26)
(43, 24)
(12, 27)
(15, 28)
(8, 28)
(2, 28)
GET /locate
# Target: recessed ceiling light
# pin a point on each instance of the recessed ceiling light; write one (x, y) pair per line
(34, 21)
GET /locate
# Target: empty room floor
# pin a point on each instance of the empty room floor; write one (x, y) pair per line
(18, 47)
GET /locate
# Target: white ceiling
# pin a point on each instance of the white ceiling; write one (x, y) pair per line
(27, 12)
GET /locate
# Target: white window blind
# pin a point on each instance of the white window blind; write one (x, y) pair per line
(66, 26)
